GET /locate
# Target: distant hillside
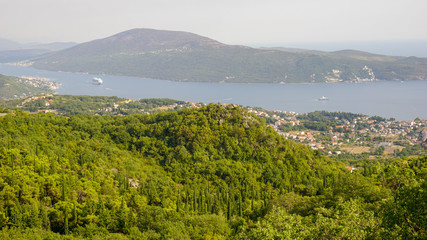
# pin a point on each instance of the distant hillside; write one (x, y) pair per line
(14, 88)
(8, 45)
(21, 54)
(68, 105)
(15, 53)
(293, 50)
(183, 56)
(54, 46)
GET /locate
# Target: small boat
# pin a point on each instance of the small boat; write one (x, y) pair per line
(323, 98)
(97, 81)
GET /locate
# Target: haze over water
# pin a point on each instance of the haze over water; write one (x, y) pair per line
(401, 100)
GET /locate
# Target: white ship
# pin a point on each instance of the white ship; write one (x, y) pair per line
(323, 98)
(97, 81)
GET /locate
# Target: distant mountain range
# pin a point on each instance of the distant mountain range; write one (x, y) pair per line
(8, 45)
(13, 52)
(183, 56)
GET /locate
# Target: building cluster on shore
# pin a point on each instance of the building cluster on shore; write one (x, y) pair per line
(361, 130)
(39, 82)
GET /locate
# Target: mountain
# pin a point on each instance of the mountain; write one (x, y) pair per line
(293, 50)
(8, 45)
(54, 46)
(23, 52)
(183, 56)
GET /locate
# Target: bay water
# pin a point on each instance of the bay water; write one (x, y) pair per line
(390, 99)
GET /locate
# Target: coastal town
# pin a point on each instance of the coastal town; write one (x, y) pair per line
(360, 135)
(15, 88)
(39, 82)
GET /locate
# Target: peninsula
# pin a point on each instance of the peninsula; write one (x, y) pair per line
(183, 56)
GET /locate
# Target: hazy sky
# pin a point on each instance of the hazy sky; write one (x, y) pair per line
(228, 21)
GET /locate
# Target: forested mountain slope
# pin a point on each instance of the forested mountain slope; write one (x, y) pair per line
(216, 172)
(183, 56)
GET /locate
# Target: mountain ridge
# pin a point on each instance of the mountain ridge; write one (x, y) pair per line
(183, 56)
(21, 52)
(6, 44)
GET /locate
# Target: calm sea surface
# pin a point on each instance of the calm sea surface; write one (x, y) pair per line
(401, 100)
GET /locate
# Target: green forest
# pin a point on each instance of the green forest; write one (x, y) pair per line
(92, 105)
(214, 172)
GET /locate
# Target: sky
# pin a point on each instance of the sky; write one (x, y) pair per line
(228, 21)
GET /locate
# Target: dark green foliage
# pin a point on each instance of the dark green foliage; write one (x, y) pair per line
(412, 150)
(322, 120)
(407, 211)
(95, 105)
(212, 172)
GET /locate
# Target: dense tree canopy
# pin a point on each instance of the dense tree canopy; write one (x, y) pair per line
(216, 172)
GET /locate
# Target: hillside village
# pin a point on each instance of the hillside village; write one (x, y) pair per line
(39, 82)
(361, 135)
(13, 88)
